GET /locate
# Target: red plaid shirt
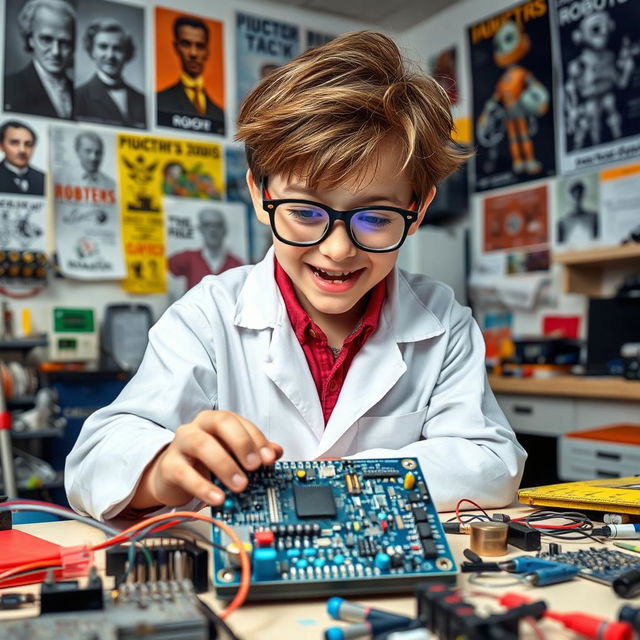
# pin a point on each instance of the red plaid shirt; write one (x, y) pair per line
(328, 372)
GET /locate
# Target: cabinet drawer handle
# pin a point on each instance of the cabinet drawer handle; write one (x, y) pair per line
(521, 409)
(606, 474)
(607, 455)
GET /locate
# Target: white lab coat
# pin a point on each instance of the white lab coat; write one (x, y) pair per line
(416, 388)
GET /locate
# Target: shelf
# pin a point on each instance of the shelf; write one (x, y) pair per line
(21, 402)
(23, 344)
(603, 388)
(583, 270)
(56, 483)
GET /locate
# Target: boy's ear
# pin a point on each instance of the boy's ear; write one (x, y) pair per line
(256, 198)
(421, 213)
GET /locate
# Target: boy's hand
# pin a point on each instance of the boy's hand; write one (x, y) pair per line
(218, 442)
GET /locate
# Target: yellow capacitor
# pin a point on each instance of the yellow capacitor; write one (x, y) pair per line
(409, 481)
(356, 526)
(301, 474)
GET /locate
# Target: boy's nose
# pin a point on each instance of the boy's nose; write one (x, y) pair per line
(337, 245)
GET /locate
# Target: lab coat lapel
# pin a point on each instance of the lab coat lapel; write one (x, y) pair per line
(287, 367)
(260, 307)
(373, 372)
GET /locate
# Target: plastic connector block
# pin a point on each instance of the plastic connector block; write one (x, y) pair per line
(65, 597)
(523, 537)
(75, 562)
(194, 561)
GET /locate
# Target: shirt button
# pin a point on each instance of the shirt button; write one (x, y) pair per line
(312, 333)
(333, 385)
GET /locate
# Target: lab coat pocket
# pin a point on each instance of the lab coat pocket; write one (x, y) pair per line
(390, 432)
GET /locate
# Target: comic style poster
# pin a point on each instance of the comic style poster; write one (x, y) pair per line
(314, 39)
(203, 238)
(510, 63)
(599, 98)
(577, 215)
(262, 45)
(85, 200)
(23, 224)
(38, 81)
(444, 68)
(259, 235)
(110, 64)
(516, 219)
(189, 72)
(150, 169)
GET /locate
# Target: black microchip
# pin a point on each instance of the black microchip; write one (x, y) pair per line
(419, 514)
(424, 530)
(314, 502)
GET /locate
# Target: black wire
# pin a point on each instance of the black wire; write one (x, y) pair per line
(216, 622)
(27, 572)
(580, 532)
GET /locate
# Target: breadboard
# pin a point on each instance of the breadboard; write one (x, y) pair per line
(614, 495)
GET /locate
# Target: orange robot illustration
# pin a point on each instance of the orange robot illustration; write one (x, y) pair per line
(517, 101)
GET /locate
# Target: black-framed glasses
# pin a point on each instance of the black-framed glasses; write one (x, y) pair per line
(303, 223)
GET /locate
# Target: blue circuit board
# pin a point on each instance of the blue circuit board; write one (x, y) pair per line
(334, 527)
(599, 564)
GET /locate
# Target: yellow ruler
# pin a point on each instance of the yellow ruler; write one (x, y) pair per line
(615, 495)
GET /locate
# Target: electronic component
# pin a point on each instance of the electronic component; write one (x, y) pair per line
(598, 564)
(523, 537)
(67, 596)
(627, 584)
(489, 538)
(194, 562)
(6, 521)
(445, 613)
(73, 336)
(155, 610)
(343, 525)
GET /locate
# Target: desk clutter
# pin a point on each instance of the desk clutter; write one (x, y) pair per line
(361, 527)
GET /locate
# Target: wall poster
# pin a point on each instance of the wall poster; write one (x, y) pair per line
(262, 45)
(189, 72)
(511, 62)
(87, 216)
(599, 97)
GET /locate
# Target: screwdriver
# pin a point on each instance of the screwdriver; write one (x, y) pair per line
(586, 625)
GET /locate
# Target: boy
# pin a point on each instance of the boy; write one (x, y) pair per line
(323, 349)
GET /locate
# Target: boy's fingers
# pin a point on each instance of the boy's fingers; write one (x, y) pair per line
(201, 446)
(232, 433)
(278, 450)
(182, 474)
(267, 453)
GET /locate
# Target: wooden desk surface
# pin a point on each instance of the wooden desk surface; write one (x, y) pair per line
(308, 618)
(602, 388)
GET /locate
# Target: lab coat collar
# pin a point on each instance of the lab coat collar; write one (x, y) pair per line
(260, 305)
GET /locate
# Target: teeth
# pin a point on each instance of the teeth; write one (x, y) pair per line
(335, 274)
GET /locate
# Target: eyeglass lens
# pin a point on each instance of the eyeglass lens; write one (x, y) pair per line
(306, 224)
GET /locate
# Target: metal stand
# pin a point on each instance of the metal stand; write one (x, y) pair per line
(6, 449)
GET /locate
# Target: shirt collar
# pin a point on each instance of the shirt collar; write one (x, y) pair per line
(110, 83)
(261, 305)
(17, 170)
(191, 82)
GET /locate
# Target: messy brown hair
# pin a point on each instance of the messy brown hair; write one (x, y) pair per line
(325, 114)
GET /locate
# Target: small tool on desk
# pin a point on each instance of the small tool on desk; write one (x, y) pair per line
(629, 531)
(536, 571)
(628, 547)
(627, 585)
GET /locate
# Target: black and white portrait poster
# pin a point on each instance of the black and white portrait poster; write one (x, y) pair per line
(599, 98)
(23, 157)
(510, 62)
(110, 64)
(202, 238)
(578, 221)
(39, 40)
(87, 217)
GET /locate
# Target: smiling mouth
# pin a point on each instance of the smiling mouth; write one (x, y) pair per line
(335, 276)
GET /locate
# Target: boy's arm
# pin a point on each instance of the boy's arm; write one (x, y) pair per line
(469, 450)
(116, 459)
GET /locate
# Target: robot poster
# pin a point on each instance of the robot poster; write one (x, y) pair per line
(599, 87)
(511, 62)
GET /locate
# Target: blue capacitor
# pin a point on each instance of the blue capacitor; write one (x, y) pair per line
(319, 562)
(264, 564)
(228, 504)
(302, 564)
(338, 559)
(383, 561)
(293, 553)
(310, 552)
